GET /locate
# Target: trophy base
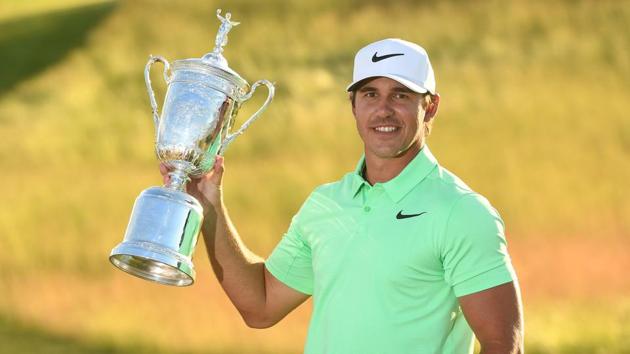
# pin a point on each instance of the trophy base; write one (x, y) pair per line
(161, 237)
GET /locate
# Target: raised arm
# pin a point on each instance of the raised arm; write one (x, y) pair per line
(259, 297)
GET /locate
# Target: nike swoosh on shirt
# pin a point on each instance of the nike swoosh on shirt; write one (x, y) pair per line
(400, 215)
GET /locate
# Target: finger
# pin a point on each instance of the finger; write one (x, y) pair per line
(163, 169)
(164, 172)
(217, 170)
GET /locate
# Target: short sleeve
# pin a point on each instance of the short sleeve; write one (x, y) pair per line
(474, 252)
(290, 262)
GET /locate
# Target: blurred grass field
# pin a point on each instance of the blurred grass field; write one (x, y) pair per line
(534, 115)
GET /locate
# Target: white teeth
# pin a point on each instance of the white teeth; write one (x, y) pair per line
(387, 129)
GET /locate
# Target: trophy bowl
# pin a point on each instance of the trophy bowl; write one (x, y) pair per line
(202, 100)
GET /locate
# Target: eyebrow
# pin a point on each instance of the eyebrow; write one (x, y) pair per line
(367, 88)
(403, 89)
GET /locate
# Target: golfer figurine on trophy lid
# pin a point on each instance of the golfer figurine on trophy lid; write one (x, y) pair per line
(202, 101)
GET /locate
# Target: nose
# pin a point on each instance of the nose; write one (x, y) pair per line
(384, 107)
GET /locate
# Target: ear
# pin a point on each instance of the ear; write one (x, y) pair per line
(351, 99)
(432, 108)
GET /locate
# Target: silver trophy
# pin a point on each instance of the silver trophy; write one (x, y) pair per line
(202, 101)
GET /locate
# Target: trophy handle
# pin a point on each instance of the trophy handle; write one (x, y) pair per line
(251, 119)
(147, 80)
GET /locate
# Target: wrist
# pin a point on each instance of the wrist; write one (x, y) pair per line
(213, 203)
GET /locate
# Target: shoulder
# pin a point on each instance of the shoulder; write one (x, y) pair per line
(459, 205)
(337, 190)
(329, 196)
(468, 214)
(448, 183)
(464, 200)
(444, 189)
(456, 191)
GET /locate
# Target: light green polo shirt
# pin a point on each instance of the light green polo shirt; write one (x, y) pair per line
(386, 263)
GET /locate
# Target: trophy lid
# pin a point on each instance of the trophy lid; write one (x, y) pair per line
(215, 60)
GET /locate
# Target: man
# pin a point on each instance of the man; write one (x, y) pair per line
(400, 255)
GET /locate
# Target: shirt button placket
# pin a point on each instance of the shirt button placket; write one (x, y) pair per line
(365, 214)
(368, 200)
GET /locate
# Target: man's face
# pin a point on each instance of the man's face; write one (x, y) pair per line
(389, 118)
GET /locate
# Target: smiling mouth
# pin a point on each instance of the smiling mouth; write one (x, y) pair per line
(385, 129)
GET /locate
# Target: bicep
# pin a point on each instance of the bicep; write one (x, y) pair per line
(495, 316)
(280, 298)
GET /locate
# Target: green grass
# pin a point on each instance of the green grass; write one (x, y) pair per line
(31, 44)
(578, 326)
(533, 115)
(19, 337)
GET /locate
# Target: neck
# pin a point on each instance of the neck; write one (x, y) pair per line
(380, 170)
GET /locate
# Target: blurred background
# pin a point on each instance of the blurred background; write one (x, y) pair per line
(534, 115)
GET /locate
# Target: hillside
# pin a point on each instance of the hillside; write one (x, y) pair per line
(534, 115)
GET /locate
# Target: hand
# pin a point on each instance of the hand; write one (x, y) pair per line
(207, 188)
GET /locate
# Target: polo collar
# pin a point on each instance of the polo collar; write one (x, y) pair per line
(357, 177)
(409, 177)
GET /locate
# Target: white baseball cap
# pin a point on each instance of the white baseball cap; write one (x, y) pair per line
(397, 59)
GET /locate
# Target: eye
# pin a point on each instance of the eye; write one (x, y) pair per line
(369, 94)
(401, 96)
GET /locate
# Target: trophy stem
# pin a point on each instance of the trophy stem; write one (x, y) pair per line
(177, 179)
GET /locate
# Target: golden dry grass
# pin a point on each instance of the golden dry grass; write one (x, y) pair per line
(533, 115)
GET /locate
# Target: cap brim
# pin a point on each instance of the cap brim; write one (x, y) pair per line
(407, 83)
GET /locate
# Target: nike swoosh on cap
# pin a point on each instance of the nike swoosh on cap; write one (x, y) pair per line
(376, 58)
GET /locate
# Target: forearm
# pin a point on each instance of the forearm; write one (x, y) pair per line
(239, 271)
